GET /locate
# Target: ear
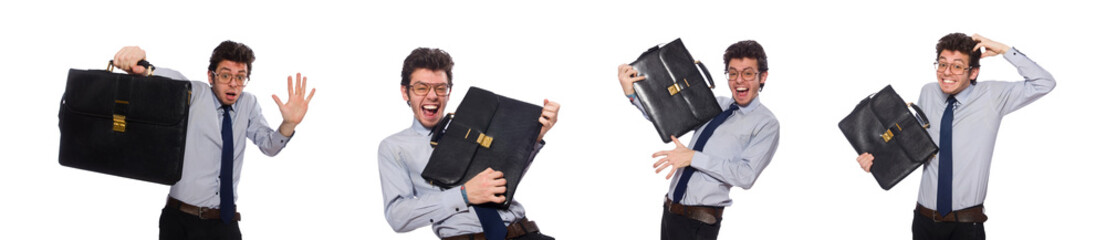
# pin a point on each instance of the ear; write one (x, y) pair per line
(763, 77)
(210, 78)
(975, 73)
(403, 91)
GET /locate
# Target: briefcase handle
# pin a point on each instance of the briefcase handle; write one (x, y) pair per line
(920, 115)
(705, 72)
(149, 67)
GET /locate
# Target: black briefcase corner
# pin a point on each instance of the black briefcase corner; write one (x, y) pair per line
(124, 125)
(488, 130)
(883, 125)
(676, 96)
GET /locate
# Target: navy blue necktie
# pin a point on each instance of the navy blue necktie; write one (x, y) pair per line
(491, 223)
(681, 186)
(944, 171)
(226, 171)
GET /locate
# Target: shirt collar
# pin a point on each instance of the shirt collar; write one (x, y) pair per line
(963, 95)
(747, 109)
(417, 126)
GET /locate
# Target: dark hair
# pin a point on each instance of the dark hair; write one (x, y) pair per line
(959, 42)
(234, 52)
(429, 58)
(747, 49)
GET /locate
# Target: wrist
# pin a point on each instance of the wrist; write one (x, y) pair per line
(631, 96)
(465, 195)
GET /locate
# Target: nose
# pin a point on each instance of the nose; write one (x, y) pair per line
(233, 83)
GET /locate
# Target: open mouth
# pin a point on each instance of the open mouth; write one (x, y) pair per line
(741, 91)
(231, 95)
(429, 110)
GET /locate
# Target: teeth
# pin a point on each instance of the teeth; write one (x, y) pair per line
(742, 89)
(430, 107)
(950, 81)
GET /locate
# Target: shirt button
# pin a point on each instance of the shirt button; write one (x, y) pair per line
(431, 220)
(457, 209)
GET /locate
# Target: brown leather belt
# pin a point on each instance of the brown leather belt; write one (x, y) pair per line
(515, 230)
(708, 215)
(202, 212)
(967, 215)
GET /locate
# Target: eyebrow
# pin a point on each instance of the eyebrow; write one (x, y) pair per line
(733, 68)
(228, 69)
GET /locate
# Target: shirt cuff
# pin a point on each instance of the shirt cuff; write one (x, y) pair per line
(281, 139)
(453, 202)
(700, 161)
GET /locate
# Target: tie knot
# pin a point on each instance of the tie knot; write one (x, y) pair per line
(951, 99)
(733, 107)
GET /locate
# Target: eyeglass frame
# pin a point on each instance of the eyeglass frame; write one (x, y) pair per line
(448, 91)
(733, 77)
(245, 79)
(949, 67)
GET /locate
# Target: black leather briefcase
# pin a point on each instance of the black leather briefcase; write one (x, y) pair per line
(883, 126)
(673, 93)
(124, 125)
(488, 130)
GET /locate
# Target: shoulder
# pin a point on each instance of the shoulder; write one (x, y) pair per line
(766, 117)
(393, 142)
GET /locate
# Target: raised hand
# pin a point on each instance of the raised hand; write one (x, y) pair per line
(296, 107)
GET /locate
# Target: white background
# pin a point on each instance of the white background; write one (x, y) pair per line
(594, 178)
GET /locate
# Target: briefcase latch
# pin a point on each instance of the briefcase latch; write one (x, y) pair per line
(484, 140)
(888, 135)
(119, 123)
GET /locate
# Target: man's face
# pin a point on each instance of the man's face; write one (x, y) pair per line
(746, 85)
(952, 82)
(427, 108)
(228, 90)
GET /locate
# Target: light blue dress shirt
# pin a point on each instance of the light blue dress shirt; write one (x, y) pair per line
(740, 149)
(411, 202)
(976, 119)
(199, 183)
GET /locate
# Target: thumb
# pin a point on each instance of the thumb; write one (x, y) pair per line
(677, 141)
(277, 100)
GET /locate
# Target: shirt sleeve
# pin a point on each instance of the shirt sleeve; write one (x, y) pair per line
(269, 141)
(636, 101)
(1012, 96)
(741, 167)
(402, 208)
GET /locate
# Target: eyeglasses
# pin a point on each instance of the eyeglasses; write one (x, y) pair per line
(957, 68)
(442, 89)
(225, 77)
(747, 75)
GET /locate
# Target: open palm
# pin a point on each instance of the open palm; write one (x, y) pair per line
(296, 107)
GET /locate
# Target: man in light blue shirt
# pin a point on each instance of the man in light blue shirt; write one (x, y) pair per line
(736, 150)
(954, 183)
(411, 202)
(201, 205)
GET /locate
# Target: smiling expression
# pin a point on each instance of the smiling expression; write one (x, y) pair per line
(745, 91)
(427, 108)
(952, 83)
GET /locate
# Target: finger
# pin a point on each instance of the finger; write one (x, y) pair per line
(638, 78)
(495, 174)
(661, 153)
(138, 69)
(499, 182)
(499, 199)
(663, 166)
(309, 96)
(677, 141)
(544, 122)
(290, 94)
(499, 190)
(659, 162)
(302, 89)
(277, 100)
(670, 173)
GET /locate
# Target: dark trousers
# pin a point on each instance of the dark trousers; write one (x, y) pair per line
(534, 236)
(679, 227)
(175, 224)
(925, 228)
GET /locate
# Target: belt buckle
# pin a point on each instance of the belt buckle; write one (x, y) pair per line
(935, 216)
(201, 213)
